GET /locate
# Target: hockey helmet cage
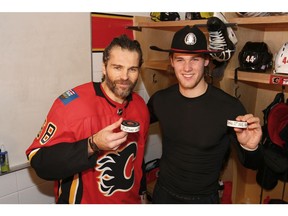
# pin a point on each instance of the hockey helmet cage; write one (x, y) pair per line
(278, 13)
(281, 60)
(164, 16)
(252, 14)
(255, 56)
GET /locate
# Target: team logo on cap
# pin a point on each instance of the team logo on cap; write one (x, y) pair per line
(190, 39)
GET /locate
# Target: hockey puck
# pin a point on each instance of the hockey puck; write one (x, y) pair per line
(130, 126)
(237, 124)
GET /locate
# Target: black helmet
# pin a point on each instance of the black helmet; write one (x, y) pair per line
(255, 56)
(164, 16)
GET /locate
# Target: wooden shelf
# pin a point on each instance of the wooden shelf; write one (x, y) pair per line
(251, 76)
(263, 23)
(257, 77)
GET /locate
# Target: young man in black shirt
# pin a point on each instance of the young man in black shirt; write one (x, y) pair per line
(193, 118)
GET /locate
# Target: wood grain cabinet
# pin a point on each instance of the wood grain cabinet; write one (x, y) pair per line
(255, 90)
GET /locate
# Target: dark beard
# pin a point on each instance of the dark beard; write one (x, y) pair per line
(118, 91)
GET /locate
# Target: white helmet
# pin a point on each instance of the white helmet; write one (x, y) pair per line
(281, 60)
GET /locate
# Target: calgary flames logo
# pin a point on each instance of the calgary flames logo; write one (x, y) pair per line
(117, 170)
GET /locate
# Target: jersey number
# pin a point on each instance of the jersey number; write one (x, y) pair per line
(50, 131)
(250, 58)
(284, 61)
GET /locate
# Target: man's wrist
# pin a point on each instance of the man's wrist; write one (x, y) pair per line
(249, 149)
(93, 145)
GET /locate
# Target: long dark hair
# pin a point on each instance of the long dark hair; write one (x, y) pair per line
(125, 43)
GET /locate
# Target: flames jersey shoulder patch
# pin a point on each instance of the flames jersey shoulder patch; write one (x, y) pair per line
(68, 96)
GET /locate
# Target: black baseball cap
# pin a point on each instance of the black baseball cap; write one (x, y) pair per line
(188, 40)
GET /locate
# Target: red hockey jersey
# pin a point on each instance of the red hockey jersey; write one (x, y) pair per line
(113, 176)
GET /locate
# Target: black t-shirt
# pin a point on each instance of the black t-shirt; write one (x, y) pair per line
(195, 137)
